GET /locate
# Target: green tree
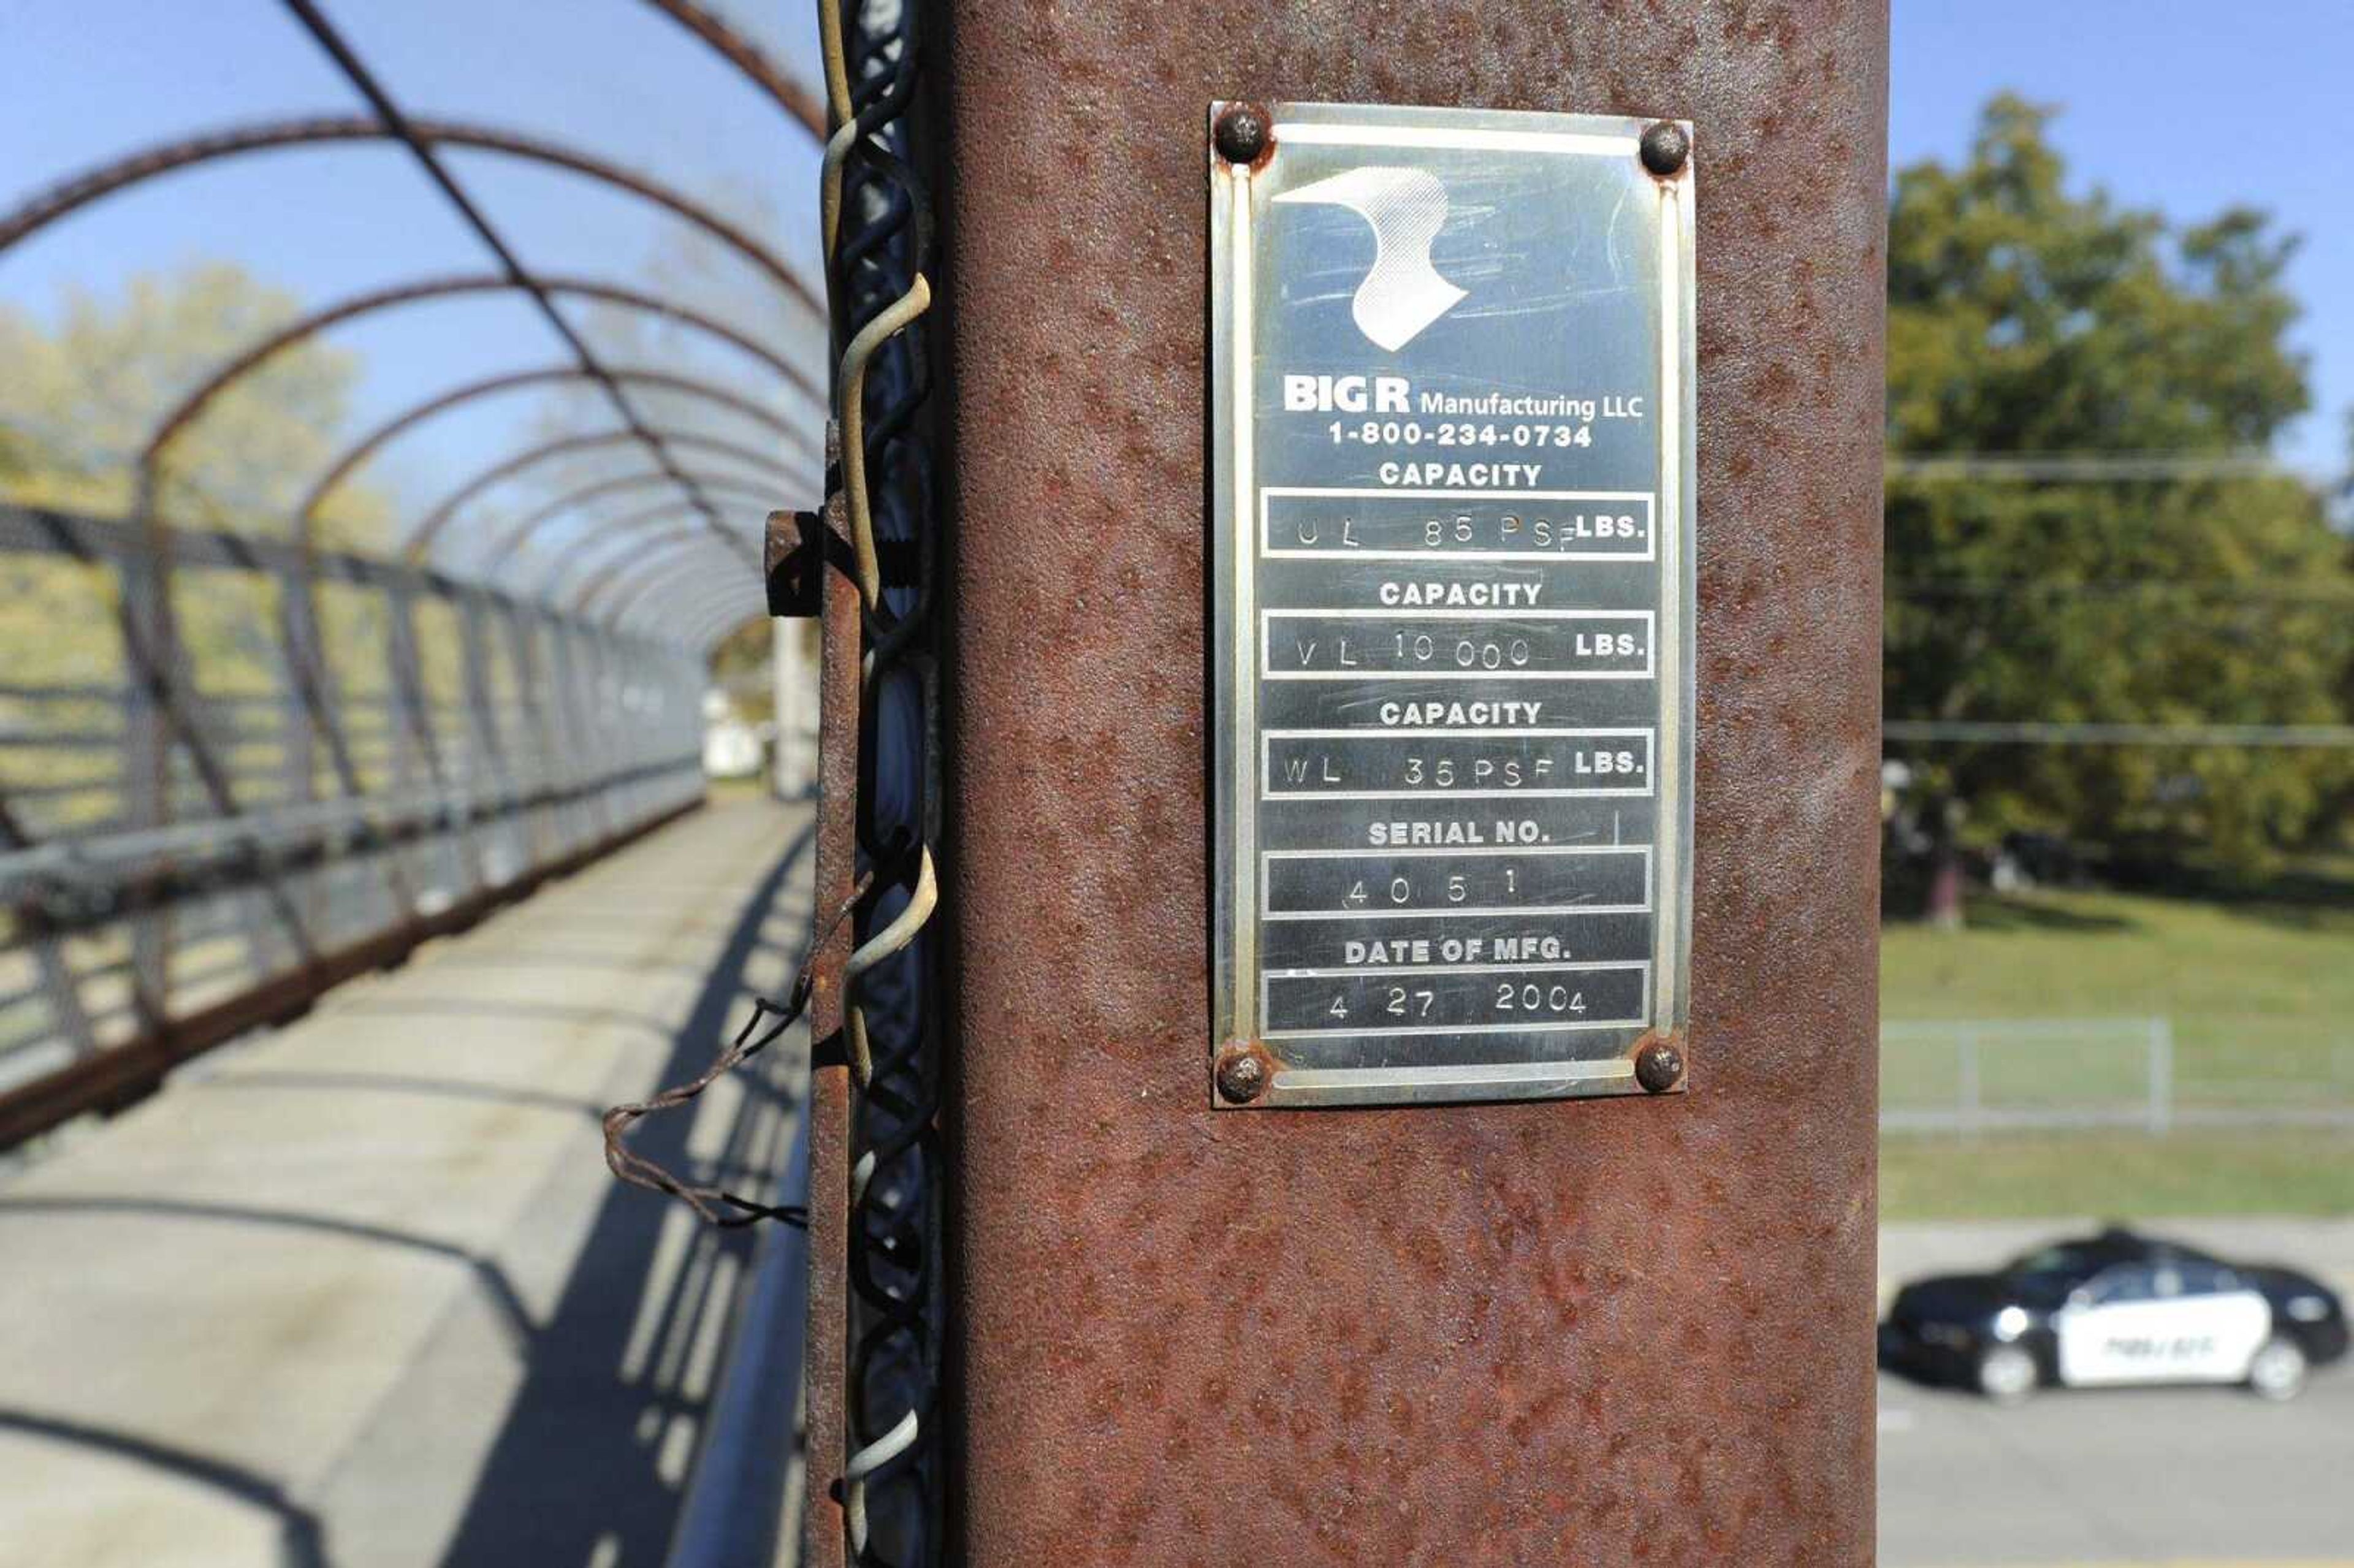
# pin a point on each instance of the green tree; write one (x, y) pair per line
(2023, 320)
(78, 398)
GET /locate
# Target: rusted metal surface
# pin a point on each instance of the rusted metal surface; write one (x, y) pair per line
(826, 1359)
(792, 560)
(1455, 1313)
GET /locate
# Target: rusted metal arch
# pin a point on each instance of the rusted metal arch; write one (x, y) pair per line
(324, 719)
(683, 593)
(639, 549)
(682, 573)
(619, 484)
(684, 569)
(694, 620)
(430, 159)
(503, 549)
(703, 627)
(642, 551)
(245, 362)
(715, 617)
(359, 452)
(414, 548)
(683, 598)
(613, 550)
(715, 627)
(697, 627)
(650, 555)
(71, 195)
(421, 136)
(137, 624)
(691, 623)
(613, 531)
(739, 51)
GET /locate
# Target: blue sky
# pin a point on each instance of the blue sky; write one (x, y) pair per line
(2187, 106)
(2183, 106)
(81, 83)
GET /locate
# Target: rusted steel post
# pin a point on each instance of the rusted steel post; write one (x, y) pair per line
(150, 643)
(1553, 1333)
(826, 1359)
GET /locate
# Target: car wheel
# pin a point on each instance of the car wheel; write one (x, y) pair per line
(2278, 1371)
(2007, 1374)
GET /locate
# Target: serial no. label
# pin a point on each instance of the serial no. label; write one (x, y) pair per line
(1452, 391)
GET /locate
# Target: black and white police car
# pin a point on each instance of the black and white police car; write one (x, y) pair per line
(2115, 1309)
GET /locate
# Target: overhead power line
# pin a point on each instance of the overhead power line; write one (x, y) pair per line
(1965, 731)
(2094, 467)
(2253, 591)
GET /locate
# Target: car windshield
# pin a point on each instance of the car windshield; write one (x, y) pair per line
(2044, 1277)
(2044, 1289)
(2070, 1261)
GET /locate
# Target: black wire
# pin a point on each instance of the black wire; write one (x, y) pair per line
(896, 1338)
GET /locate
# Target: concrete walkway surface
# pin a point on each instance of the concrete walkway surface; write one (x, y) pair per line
(361, 1291)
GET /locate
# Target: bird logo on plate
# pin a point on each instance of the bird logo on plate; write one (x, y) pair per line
(1404, 293)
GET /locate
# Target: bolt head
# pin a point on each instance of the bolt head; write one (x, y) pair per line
(1665, 148)
(1241, 133)
(1660, 1068)
(1242, 1076)
(789, 562)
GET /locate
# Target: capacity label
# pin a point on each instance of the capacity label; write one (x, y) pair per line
(1451, 606)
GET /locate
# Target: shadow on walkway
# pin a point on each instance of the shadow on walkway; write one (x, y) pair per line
(575, 1473)
(299, 1535)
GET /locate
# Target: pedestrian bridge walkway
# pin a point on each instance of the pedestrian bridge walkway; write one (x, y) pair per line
(360, 1290)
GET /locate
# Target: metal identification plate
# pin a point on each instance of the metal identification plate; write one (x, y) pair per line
(1453, 397)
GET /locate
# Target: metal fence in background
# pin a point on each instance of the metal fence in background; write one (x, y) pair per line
(1995, 1075)
(315, 787)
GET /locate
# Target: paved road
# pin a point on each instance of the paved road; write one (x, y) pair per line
(361, 1292)
(2150, 1476)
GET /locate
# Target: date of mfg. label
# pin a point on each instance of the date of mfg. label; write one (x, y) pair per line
(1452, 608)
(1495, 998)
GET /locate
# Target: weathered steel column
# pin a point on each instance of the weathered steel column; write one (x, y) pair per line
(1573, 1331)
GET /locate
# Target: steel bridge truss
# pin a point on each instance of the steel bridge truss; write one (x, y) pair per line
(296, 763)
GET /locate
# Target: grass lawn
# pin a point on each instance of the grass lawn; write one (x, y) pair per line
(2117, 1175)
(2259, 995)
